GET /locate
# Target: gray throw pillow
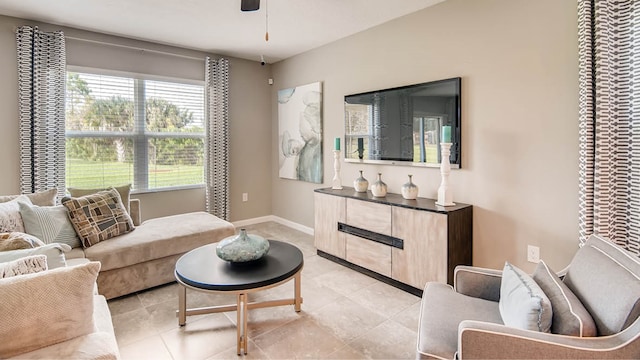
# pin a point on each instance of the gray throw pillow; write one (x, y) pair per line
(49, 223)
(569, 315)
(522, 303)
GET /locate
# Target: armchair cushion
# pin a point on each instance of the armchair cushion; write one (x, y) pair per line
(605, 279)
(442, 311)
(523, 304)
(569, 315)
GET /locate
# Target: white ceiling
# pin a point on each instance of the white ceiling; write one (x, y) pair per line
(218, 26)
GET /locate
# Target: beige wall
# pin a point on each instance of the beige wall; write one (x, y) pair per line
(249, 114)
(518, 63)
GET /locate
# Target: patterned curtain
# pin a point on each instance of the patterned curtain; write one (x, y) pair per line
(41, 93)
(609, 123)
(217, 140)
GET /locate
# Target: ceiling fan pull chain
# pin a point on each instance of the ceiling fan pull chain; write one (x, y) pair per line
(266, 26)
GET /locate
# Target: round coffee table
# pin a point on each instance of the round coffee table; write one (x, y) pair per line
(201, 269)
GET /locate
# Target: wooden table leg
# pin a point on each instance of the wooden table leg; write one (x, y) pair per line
(297, 297)
(182, 305)
(239, 324)
(245, 338)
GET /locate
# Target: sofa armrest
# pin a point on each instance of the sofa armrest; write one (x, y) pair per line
(477, 282)
(482, 340)
(135, 211)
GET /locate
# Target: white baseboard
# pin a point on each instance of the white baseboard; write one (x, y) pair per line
(279, 220)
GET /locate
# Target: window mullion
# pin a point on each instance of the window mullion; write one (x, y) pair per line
(140, 143)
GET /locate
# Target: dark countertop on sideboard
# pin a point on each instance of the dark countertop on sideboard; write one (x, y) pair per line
(395, 200)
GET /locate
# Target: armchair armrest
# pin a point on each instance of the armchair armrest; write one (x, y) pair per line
(482, 340)
(477, 282)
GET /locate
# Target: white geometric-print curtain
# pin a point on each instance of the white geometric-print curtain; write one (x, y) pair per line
(217, 139)
(609, 120)
(41, 95)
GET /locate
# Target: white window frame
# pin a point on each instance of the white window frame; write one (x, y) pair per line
(140, 135)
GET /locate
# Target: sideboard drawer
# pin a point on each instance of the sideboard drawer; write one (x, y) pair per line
(370, 216)
(369, 254)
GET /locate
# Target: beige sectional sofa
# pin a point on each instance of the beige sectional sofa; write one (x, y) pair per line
(146, 257)
(137, 260)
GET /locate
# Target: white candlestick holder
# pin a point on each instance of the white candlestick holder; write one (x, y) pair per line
(445, 194)
(336, 182)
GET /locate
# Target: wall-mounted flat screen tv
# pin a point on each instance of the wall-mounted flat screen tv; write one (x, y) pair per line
(403, 125)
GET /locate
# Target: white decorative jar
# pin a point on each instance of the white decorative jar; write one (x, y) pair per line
(379, 188)
(361, 184)
(410, 190)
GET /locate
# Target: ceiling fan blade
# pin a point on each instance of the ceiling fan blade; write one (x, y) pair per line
(249, 5)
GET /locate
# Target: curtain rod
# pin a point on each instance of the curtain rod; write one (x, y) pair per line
(135, 48)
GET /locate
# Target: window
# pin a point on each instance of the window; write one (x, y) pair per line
(131, 130)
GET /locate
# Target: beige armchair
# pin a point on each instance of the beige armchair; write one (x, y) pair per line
(465, 321)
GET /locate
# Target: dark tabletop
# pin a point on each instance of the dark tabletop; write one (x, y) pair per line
(203, 269)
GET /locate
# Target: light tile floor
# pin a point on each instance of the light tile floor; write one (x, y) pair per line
(345, 315)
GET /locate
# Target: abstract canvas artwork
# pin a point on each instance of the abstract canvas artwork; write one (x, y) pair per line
(300, 132)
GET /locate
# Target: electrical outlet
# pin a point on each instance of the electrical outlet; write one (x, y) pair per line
(245, 197)
(533, 254)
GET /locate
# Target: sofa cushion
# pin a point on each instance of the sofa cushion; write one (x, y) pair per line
(53, 252)
(124, 192)
(98, 217)
(49, 223)
(40, 198)
(441, 312)
(569, 315)
(603, 277)
(158, 238)
(10, 219)
(46, 308)
(23, 266)
(523, 304)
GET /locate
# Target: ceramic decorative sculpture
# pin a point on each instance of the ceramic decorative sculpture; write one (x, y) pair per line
(242, 247)
(361, 184)
(410, 190)
(379, 188)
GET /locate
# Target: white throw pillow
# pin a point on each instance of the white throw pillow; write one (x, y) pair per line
(54, 252)
(23, 266)
(46, 308)
(10, 219)
(523, 304)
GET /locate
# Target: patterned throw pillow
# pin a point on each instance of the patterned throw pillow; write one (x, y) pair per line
(124, 191)
(98, 217)
(10, 219)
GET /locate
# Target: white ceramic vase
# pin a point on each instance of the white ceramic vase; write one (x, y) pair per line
(361, 184)
(379, 188)
(410, 190)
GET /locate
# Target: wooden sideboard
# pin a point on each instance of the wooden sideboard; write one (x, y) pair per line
(405, 243)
